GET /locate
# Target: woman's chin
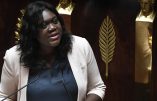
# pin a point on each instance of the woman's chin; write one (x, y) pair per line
(54, 43)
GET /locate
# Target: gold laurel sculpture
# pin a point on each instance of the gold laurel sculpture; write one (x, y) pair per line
(19, 25)
(107, 41)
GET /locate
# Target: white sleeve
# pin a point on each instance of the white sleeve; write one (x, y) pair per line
(95, 83)
(8, 82)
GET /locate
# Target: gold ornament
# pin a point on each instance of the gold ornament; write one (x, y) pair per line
(107, 41)
(65, 7)
(19, 25)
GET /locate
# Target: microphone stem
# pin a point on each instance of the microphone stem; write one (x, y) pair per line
(14, 93)
(37, 76)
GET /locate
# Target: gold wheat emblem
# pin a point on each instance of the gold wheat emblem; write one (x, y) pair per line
(107, 41)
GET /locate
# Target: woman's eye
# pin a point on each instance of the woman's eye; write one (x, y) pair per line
(44, 25)
(55, 20)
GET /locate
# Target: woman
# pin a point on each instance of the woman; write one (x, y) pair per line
(49, 64)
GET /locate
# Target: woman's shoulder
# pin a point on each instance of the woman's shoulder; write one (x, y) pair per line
(14, 49)
(77, 37)
(13, 52)
(12, 60)
(80, 43)
(78, 40)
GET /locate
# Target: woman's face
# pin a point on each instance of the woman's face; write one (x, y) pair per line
(50, 30)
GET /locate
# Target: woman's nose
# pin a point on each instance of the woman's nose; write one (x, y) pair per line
(51, 27)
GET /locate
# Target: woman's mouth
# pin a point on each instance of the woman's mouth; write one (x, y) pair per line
(54, 37)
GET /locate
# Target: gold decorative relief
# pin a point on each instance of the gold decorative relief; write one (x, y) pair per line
(65, 7)
(107, 41)
(19, 25)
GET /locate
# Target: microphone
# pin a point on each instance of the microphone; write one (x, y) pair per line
(36, 78)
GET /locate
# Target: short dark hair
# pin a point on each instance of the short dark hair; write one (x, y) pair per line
(28, 43)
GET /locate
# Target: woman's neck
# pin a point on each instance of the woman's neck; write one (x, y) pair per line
(47, 52)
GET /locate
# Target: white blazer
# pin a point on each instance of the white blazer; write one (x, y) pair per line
(83, 64)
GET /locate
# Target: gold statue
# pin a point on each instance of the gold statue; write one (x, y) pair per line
(147, 13)
(143, 41)
(65, 7)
